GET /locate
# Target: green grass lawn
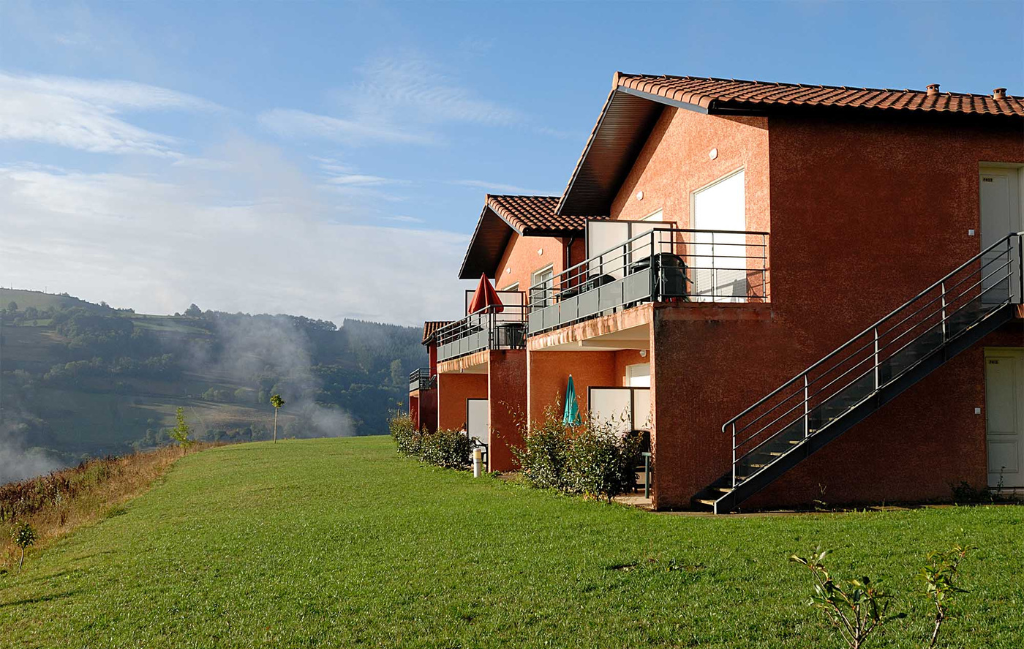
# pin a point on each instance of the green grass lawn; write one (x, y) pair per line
(340, 543)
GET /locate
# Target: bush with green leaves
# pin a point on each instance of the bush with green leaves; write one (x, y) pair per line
(449, 449)
(591, 459)
(602, 461)
(544, 456)
(408, 440)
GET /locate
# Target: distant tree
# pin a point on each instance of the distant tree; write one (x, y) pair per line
(396, 372)
(12, 306)
(277, 402)
(24, 535)
(180, 433)
(31, 313)
(193, 311)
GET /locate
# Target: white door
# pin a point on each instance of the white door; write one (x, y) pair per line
(719, 259)
(1000, 215)
(1004, 417)
(477, 417)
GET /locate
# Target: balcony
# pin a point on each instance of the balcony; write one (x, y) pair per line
(420, 379)
(484, 330)
(658, 265)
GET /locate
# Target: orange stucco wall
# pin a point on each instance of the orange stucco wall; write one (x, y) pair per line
(864, 214)
(521, 260)
(549, 375)
(674, 162)
(506, 378)
(452, 392)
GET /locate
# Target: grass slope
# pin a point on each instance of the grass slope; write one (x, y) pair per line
(340, 543)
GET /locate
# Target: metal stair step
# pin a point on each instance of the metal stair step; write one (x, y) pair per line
(706, 501)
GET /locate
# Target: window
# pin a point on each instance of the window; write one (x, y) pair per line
(544, 280)
(511, 287)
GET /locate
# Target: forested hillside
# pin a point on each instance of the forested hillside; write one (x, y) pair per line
(81, 379)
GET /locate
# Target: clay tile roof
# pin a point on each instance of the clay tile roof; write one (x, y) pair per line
(503, 216)
(535, 215)
(637, 100)
(714, 93)
(430, 328)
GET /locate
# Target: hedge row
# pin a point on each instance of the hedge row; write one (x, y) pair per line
(449, 449)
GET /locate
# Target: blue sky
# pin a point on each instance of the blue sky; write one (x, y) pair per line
(330, 159)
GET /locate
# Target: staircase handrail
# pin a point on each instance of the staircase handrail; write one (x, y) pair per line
(837, 350)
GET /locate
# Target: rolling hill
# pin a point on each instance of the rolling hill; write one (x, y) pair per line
(81, 379)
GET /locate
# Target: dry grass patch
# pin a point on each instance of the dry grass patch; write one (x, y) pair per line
(57, 503)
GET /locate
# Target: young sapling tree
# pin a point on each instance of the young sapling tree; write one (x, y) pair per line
(24, 535)
(277, 402)
(181, 431)
(855, 608)
(940, 578)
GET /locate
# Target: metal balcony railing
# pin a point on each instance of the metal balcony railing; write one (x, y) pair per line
(485, 329)
(663, 264)
(421, 379)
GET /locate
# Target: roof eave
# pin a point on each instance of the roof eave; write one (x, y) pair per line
(464, 272)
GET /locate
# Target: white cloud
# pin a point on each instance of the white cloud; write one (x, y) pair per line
(397, 100)
(412, 86)
(84, 114)
(267, 243)
(501, 187)
(361, 180)
(404, 219)
(300, 125)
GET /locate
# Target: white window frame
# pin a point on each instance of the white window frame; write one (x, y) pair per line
(534, 280)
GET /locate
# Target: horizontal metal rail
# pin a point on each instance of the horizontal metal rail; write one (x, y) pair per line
(420, 379)
(876, 356)
(662, 264)
(487, 328)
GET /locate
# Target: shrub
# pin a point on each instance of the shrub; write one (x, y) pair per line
(589, 459)
(545, 452)
(602, 462)
(449, 449)
(408, 440)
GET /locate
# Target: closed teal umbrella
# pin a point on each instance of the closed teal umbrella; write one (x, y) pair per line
(572, 407)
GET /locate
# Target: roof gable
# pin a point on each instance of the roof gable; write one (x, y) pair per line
(636, 101)
(503, 215)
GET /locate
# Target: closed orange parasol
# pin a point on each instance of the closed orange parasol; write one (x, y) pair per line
(484, 297)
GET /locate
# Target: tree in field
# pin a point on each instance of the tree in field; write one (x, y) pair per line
(12, 306)
(277, 402)
(180, 433)
(193, 311)
(24, 535)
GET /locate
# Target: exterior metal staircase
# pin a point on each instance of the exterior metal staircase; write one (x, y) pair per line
(842, 389)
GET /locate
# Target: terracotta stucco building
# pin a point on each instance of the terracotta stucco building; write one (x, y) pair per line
(801, 292)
